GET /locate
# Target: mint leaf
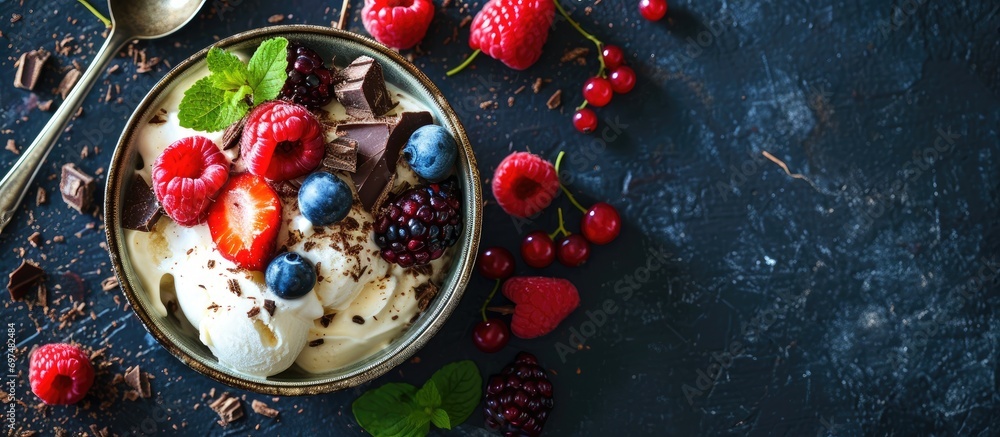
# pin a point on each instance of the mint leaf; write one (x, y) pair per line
(440, 419)
(206, 108)
(391, 411)
(429, 396)
(266, 71)
(228, 71)
(460, 388)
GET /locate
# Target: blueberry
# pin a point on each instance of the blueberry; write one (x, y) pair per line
(431, 152)
(325, 199)
(290, 276)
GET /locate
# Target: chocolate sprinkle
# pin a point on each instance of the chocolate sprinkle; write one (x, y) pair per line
(23, 279)
(326, 319)
(77, 188)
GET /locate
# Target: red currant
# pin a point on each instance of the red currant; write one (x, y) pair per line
(622, 79)
(613, 56)
(573, 250)
(537, 250)
(601, 224)
(585, 120)
(653, 10)
(496, 263)
(597, 91)
(491, 335)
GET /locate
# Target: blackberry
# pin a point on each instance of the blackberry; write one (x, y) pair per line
(519, 399)
(309, 82)
(418, 225)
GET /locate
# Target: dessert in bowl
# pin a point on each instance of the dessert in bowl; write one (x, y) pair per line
(312, 241)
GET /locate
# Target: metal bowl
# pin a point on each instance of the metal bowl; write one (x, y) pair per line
(328, 42)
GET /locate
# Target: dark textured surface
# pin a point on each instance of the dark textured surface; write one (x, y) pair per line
(740, 301)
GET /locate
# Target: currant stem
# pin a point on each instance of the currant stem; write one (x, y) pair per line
(98, 14)
(592, 38)
(464, 64)
(561, 228)
(563, 187)
(488, 299)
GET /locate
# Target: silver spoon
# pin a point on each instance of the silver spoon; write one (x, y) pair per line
(130, 20)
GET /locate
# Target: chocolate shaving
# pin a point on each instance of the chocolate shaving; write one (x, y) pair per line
(269, 306)
(77, 188)
(109, 283)
(316, 342)
(67, 83)
(138, 380)
(253, 312)
(23, 279)
(425, 292)
(141, 210)
(362, 90)
(341, 154)
(41, 196)
(35, 239)
(262, 409)
(358, 319)
(29, 68)
(12, 147)
(228, 408)
(555, 100)
(234, 287)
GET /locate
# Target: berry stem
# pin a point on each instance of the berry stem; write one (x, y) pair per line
(466, 63)
(561, 228)
(488, 299)
(563, 187)
(98, 14)
(592, 38)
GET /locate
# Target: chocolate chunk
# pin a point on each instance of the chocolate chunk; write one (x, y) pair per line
(326, 319)
(29, 68)
(253, 312)
(362, 90)
(138, 380)
(77, 187)
(66, 85)
(341, 154)
(424, 293)
(23, 279)
(358, 319)
(228, 408)
(262, 409)
(234, 132)
(379, 145)
(269, 306)
(140, 210)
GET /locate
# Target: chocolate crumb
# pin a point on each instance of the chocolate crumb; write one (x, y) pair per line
(45, 106)
(41, 196)
(253, 312)
(35, 239)
(269, 306)
(358, 319)
(316, 342)
(12, 146)
(234, 287)
(326, 319)
(487, 104)
(138, 380)
(159, 117)
(510, 102)
(109, 283)
(262, 409)
(23, 279)
(58, 239)
(537, 86)
(519, 90)
(276, 18)
(574, 54)
(555, 100)
(211, 263)
(14, 18)
(228, 408)
(465, 21)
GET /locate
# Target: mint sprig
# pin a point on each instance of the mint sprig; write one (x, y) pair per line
(401, 410)
(233, 87)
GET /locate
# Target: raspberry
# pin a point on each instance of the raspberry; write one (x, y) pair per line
(187, 176)
(525, 184)
(420, 224)
(541, 304)
(282, 141)
(519, 398)
(309, 82)
(60, 373)
(512, 31)
(399, 24)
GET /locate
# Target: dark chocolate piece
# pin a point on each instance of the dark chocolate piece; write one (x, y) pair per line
(269, 306)
(141, 210)
(138, 380)
(228, 408)
(341, 154)
(29, 68)
(77, 187)
(23, 279)
(231, 137)
(362, 90)
(68, 81)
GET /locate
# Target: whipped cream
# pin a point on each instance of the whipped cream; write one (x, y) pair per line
(358, 306)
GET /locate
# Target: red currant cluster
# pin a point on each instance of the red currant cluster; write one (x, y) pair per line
(600, 224)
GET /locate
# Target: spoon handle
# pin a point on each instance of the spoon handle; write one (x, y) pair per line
(15, 184)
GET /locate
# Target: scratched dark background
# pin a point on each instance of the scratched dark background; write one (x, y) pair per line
(861, 300)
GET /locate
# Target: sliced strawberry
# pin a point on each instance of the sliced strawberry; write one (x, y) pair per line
(245, 220)
(187, 176)
(282, 141)
(524, 184)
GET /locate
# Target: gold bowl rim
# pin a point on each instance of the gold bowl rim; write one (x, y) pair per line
(441, 307)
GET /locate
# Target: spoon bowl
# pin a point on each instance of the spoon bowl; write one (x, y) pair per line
(152, 19)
